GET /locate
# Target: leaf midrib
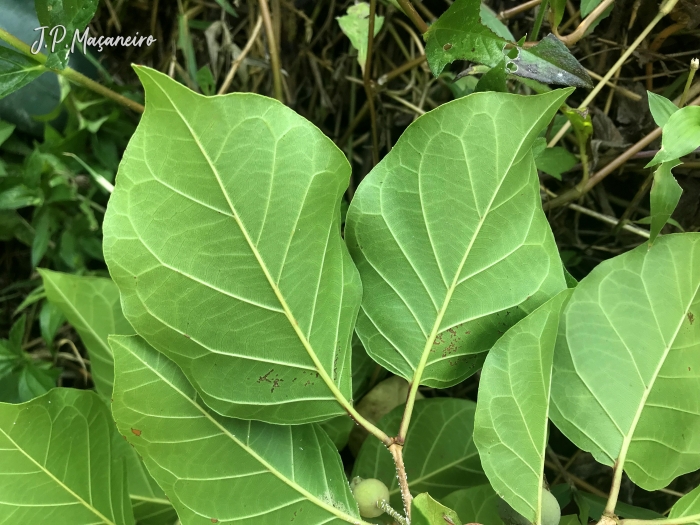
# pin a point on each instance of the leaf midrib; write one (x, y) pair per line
(627, 439)
(58, 481)
(272, 470)
(278, 293)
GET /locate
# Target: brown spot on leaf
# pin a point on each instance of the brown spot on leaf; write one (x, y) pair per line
(187, 336)
(447, 47)
(136, 431)
(265, 378)
(214, 520)
(691, 317)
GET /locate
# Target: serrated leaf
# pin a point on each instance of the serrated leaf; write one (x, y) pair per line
(71, 15)
(661, 108)
(355, 25)
(681, 135)
(550, 62)
(426, 511)
(16, 70)
(91, 305)
(475, 505)
(453, 210)
(511, 420)
(296, 468)
(245, 281)
(664, 196)
(439, 453)
(555, 161)
(61, 443)
(630, 332)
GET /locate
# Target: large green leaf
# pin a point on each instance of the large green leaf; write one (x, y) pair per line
(217, 468)
(223, 235)
(475, 505)
(58, 462)
(510, 425)
(627, 362)
(91, 305)
(16, 70)
(439, 453)
(439, 227)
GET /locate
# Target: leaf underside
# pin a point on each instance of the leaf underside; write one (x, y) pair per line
(637, 315)
(223, 235)
(510, 425)
(450, 239)
(217, 468)
(59, 462)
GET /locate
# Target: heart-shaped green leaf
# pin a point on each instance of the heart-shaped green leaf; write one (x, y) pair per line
(217, 468)
(451, 214)
(627, 362)
(59, 462)
(223, 235)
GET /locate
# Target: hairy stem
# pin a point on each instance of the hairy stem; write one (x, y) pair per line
(384, 505)
(70, 74)
(396, 450)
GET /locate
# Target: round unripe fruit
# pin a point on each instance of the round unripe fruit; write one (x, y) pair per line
(368, 493)
(551, 513)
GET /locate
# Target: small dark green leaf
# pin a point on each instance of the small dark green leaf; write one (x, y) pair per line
(555, 161)
(72, 16)
(16, 70)
(36, 379)
(225, 4)
(661, 108)
(19, 196)
(552, 63)
(6, 128)
(42, 236)
(50, 320)
(459, 34)
(494, 79)
(17, 334)
(558, 8)
(205, 81)
(338, 429)
(426, 511)
(664, 197)
(596, 505)
(587, 6)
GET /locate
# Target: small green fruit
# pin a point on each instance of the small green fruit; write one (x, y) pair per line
(368, 493)
(551, 513)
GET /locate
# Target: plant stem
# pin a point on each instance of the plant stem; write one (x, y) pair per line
(666, 8)
(570, 39)
(274, 52)
(411, 13)
(367, 81)
(615, 488)
(668, 521)
(694, 64)
(384, 505)
(244, 52)
(396, 450)
(503, 15)
(70, 74)
(538, 21)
